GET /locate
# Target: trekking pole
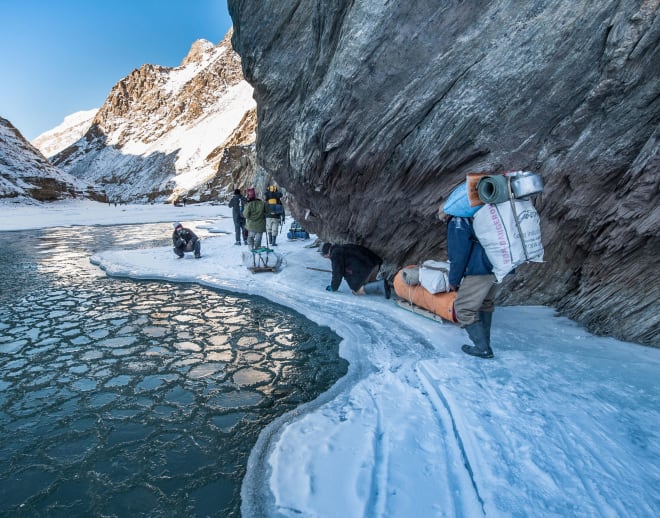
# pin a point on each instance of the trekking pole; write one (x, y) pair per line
(516, 219)
(318, 269)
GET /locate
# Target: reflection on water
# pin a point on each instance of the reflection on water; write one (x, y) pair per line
(126, 398)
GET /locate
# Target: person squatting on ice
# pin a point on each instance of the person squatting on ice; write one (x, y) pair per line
(471, 276)
(255, 219)
(185, 240)
(237, 204)
(358, 265)
(275, 216)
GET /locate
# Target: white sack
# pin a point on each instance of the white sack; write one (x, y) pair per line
(496, 229)
(265, 259)
(434, 276)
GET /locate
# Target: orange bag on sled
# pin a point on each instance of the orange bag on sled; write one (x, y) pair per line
(439, 304)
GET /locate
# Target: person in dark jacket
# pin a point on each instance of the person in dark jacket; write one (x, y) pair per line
(358, 265)
(471, 276)
(275, 215)
(185, 240)
(237, 204)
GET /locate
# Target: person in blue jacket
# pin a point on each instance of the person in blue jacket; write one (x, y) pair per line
(470, 275)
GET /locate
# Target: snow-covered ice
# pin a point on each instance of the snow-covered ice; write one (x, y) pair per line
(559, 423)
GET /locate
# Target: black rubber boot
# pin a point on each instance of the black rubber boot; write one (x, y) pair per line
(486, 319)
(477, 334)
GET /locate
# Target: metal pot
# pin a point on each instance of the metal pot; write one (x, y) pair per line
(526, 184)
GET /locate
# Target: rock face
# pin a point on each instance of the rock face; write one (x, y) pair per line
(27, 176)
(162, 132)
(371, 112)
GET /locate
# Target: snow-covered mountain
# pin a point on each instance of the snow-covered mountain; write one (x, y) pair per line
(27, 176)
(70, 131)
(168, 132)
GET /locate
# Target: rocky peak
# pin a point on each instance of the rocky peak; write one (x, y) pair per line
(152, 99)
(199, 50)
(157, 134)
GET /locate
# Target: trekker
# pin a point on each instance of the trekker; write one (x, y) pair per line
(358, 265)
(185, 240)
(237, 204)
(255, 219)
(471, 276)
(274, 213)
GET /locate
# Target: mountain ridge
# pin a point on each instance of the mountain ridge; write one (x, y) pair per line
(159, 133)
(26, 175)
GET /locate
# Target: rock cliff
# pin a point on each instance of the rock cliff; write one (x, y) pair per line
(371, 112)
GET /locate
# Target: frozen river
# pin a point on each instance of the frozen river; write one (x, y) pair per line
(121, 397)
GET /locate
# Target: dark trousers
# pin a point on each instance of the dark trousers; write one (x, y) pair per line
(238, 227)
(190, 247)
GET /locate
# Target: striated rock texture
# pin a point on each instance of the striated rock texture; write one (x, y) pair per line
(162, 131)
(370, 112)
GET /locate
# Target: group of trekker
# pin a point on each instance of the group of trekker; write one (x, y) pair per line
(470, 271)
(254, 217)
(470, 276)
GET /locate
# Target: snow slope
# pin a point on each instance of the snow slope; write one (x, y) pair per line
(72, 128)
(162, 132)
(559, 423)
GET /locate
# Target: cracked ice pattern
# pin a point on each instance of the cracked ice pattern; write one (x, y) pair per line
(123, 398)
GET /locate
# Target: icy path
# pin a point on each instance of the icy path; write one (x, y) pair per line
(560, 423)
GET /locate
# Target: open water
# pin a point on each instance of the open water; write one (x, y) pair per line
(122, 398)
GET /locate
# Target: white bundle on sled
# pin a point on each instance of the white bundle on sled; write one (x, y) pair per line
(262, 259)
(510, 233)
(434, 276)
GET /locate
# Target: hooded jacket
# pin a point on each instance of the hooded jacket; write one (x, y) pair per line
(180, 238)
(255, 215)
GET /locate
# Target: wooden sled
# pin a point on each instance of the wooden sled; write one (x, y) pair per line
(408, 306)
(419, 300)
(262, 260)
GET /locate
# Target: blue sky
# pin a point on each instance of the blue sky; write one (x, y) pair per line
(60, 57)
